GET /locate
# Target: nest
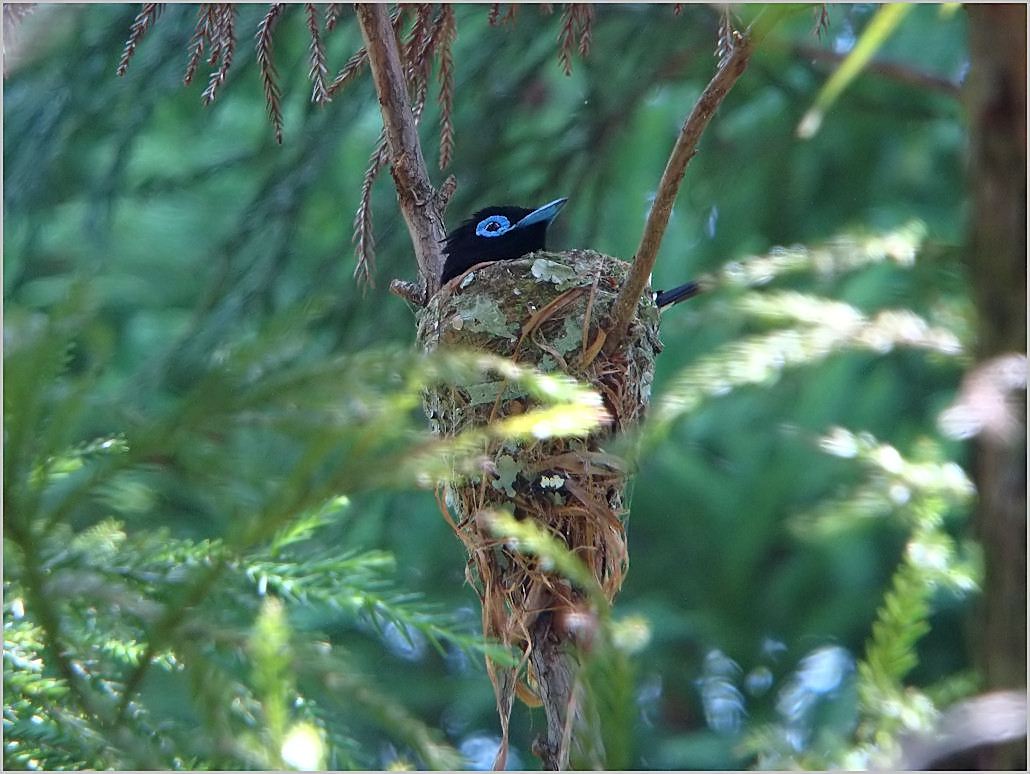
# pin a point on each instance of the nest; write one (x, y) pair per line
(544, 311)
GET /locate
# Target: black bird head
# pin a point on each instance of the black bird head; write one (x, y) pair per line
(497, 234)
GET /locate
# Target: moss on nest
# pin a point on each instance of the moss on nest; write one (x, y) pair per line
(544, 310)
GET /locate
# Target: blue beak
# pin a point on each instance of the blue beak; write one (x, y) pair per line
(543, 214)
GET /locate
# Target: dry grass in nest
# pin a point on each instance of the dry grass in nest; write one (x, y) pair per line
(542, 310)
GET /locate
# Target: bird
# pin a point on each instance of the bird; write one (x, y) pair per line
(497, 234)
(506, 232)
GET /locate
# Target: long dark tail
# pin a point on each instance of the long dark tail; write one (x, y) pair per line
(664, 298)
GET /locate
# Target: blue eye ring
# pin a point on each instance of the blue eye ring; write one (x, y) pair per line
(493, 226)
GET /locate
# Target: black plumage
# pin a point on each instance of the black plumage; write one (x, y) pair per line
(502, 233)
(497, 234)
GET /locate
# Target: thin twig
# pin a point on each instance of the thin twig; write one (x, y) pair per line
(894, 71)
(658, 219)
(415, 193)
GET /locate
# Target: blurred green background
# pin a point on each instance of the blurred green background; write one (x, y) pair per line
(168, 256)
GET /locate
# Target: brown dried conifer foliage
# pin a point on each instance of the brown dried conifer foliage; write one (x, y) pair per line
(427, 43)
(144, 20)
(203, 33)
(575, 34)
(319, 66)
(223, 43)
(269, 75)
(494, 19)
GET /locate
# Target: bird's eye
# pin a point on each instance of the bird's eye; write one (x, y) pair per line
(493, 226)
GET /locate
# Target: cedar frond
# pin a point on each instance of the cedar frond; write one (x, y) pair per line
(546, 9)
(724, 47)
(332, 14)
(565, 42)
(203, 32)
(495, 18)
(418, 105)
(586, 14)
(395, 17)
(356, 62)
(144, 20)
(417, 57)
(418, 47)
(448, 31)
(447, 189)
(677, 9)
(319, 68)
(223, 45)
(269, 75)
(365, 249)
(352, 68)
(576, 20)
(822, 20)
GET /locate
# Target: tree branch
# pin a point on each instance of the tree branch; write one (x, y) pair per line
(415, 193)
(556, 669)
(894, 71)
(686, 146)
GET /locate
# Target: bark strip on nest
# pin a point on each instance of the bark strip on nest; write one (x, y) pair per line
(546, 310)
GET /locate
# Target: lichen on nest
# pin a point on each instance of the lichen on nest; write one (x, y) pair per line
(545, 310)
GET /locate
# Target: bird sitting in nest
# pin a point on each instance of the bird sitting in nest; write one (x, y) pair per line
(506, 232)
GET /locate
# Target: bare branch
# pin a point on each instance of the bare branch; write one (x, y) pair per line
(658, 219)
(415, 193)
(894, 71)
(822, 20)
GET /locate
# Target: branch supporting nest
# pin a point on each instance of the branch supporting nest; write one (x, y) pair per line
(730, 70)
(418, 199)
(542, 310)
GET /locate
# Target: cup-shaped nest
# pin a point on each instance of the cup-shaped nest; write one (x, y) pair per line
(546, 311)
